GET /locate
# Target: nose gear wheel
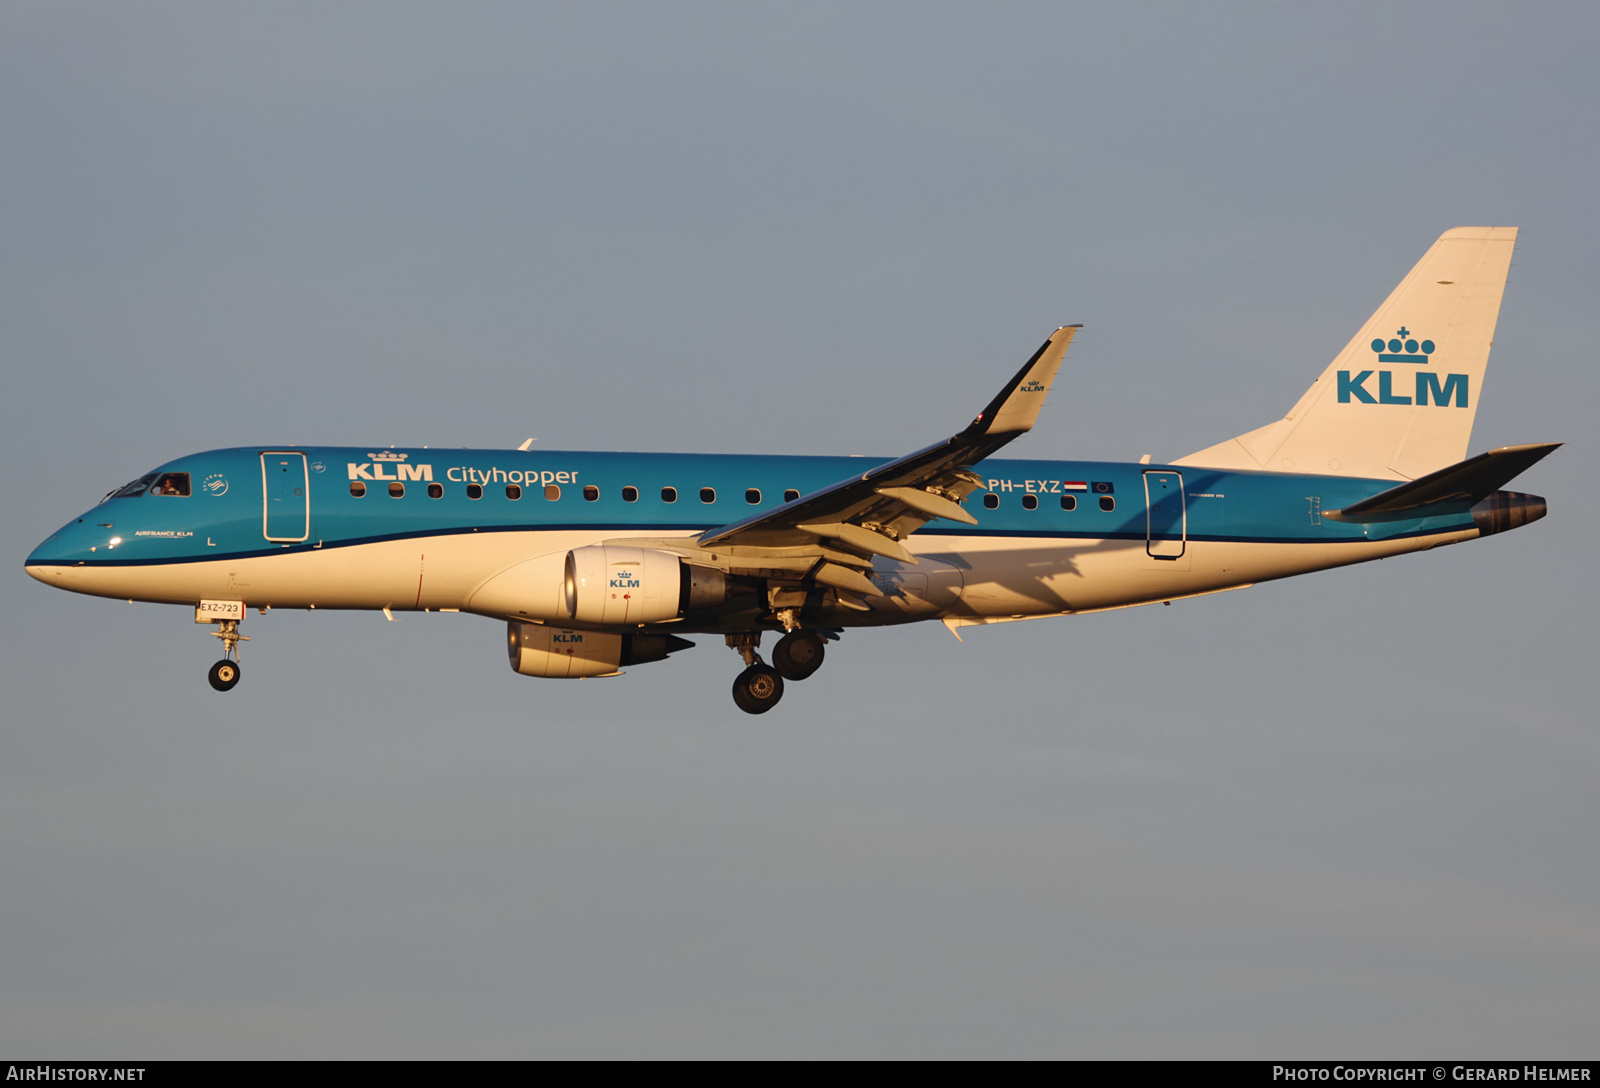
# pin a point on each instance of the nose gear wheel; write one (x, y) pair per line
(224, 674)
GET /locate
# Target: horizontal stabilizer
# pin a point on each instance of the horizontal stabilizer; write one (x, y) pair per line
(1449, 490)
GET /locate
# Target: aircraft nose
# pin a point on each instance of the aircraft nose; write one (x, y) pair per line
(44, 553)
(63, 551)
(46, 559)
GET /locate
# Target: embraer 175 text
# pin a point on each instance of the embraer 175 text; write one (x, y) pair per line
(596, 561)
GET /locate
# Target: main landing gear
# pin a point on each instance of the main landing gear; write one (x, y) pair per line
(225, 673)
(757, 689)
(797, 655)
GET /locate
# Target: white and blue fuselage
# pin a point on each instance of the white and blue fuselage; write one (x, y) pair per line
(329, 527)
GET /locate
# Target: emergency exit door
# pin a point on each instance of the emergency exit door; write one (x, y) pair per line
(1166, 521)
(286, 497)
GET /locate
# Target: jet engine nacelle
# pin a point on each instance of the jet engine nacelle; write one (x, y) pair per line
(538, 650)
(652, 586)
(615, 584)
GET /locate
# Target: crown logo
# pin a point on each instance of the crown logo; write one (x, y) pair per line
(388, 455)
(1414, 352)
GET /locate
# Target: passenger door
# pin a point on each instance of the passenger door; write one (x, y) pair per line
(285, 496)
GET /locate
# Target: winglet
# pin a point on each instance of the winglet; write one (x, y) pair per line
(1016, 407)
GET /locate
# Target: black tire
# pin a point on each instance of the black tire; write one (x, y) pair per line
(758, 689)
(224, 675)
(798, 654)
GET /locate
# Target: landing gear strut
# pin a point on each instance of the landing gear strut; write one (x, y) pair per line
(757, 689)
(225, 673)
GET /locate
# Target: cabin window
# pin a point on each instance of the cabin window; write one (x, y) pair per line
(630, 494)
(172, 483)
(552, 492)
(669, 494)
(357, 488)
(991, 501)
(752, 496)
(1107, 503)
(474, 491)
(1030, 502)
(1069, 502)
(436, 491)
(513, 491)
(708, 495)
(397, 491)
(790, 495)
(590, 493)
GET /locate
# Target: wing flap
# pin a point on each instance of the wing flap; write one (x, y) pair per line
(831, 574)
(928, 502)
(861, 539)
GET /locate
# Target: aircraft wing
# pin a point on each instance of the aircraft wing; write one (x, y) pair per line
(836, 531)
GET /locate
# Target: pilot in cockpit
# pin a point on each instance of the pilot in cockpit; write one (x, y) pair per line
(173, 483)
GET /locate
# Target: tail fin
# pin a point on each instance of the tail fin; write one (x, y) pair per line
(1398, 402)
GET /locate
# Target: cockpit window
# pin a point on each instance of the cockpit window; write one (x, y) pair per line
(128, 491)
(172, 483)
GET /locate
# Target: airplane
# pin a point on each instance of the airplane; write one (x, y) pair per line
(601, 561)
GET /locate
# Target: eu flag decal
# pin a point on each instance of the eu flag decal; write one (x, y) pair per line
(1103, 487)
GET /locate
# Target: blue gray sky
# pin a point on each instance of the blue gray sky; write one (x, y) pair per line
(1349, 814)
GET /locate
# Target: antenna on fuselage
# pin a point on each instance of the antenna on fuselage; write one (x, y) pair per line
(526, 442)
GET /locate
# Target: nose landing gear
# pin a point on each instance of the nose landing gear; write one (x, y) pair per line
(225, 673)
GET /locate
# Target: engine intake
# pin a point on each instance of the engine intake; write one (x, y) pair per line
(605, 585)
(615, 584)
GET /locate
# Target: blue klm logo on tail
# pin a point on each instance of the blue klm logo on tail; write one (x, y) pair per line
(1403, 348)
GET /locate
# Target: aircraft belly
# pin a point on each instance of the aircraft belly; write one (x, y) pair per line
(965, 576)
(1021, 576)
(414, 573)
(1033, 576)
(369, 576)
(165, 583)
(924, 591)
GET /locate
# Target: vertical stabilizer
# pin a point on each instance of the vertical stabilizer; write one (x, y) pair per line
(1399, 400)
